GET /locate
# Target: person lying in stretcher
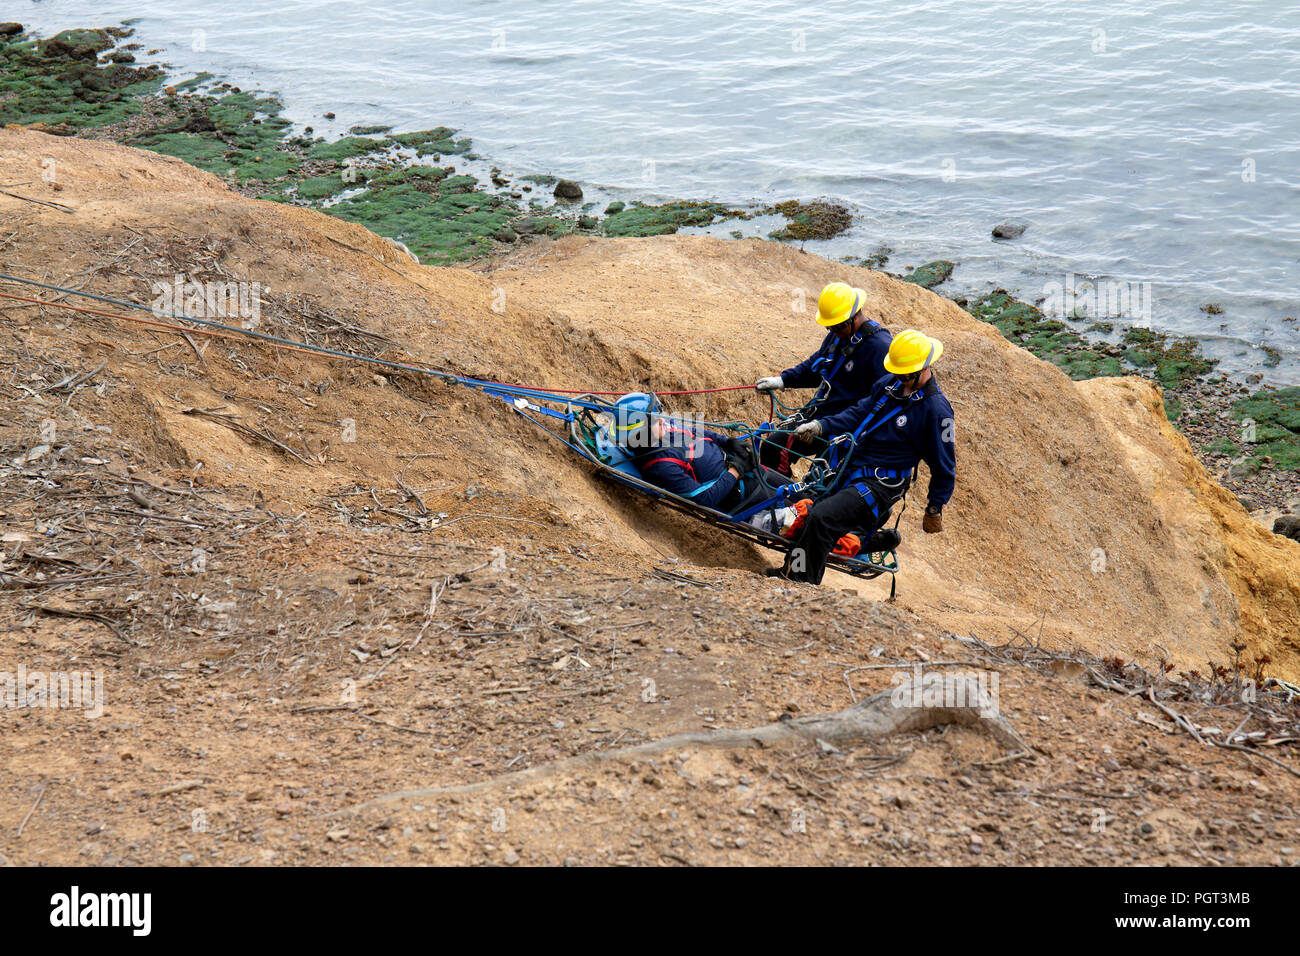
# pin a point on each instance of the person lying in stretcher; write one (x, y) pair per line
(688, 460)
(693, 462)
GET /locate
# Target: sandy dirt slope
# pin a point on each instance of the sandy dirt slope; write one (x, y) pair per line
(304, 668)
(1076, 502)
(1057, 518)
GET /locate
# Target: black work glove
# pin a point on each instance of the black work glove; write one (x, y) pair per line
(740, 454)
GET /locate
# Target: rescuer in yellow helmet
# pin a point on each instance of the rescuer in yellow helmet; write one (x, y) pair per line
(905, 419)
(850, 358)
(843, 369)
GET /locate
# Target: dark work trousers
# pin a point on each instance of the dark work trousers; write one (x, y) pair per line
(846, 510)
(752, 489)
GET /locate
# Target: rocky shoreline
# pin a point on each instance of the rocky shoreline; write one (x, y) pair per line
(1247, 438)
(428, 191)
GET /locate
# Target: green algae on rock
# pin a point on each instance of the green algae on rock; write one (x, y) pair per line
(1175, 365)
(1050, 339)
(423, 136)
(460, 146)
(875, 260)
(1275, 413)
(931, 274)
(323, 187)
(238, 134)
(1223, 446)
(56, 84)
(415, 175)
(810, 220)
(641, 220)
(542, 226)
(427, 142)
(441, 221)
(349, 147)
(1251, 444)
(78, 44)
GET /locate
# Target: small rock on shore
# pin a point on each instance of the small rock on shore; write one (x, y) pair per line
(568, 189)
(1288, 526)
(1011, 229)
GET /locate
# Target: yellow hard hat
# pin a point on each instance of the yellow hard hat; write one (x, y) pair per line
(912, 351)
(838, 303)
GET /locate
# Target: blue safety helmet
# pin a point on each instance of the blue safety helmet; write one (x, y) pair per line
(633, 417)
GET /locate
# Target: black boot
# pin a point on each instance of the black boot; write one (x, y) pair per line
(886, 539)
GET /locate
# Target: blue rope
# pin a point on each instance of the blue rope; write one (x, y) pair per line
(450, 378)
(555, 435)
(520, 391)
(495, 389)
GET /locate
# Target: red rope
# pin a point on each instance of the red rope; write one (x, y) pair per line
(583, 391)
(784, 466)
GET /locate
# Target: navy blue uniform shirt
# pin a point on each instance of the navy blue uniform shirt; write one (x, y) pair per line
(686, 460)
(917, 428)
(853, 377)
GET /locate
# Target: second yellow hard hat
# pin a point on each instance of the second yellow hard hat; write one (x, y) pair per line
(912, 351)
(838, 303)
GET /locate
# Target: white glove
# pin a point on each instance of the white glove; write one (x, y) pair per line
(808, 430)
(770, 384)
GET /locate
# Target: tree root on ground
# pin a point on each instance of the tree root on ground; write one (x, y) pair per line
(889, 712)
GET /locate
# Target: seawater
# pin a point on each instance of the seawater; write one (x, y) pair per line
(1154, 145)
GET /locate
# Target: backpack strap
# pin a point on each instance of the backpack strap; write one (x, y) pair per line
(869, 328)
(687, 462)
(676, 461)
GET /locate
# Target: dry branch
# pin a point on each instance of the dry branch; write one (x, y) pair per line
(43, 202)
(235, 425)
(874, 718)
(39, 797)
(179, 787)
